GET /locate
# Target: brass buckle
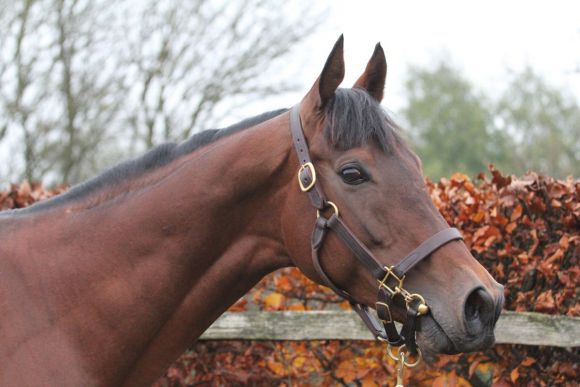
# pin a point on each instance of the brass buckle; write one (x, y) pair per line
(390, 320)
(422, 308)
(383, 282)
(310, 166)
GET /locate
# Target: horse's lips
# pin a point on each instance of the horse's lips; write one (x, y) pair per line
(433, 340)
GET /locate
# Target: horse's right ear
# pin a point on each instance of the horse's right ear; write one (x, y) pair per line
(332, 75)
(373, 79)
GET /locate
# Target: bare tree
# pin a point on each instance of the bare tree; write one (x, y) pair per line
(18, 70)
(90, 87)
(192, 56)
(59, 89)
(84, 81)
(4, 20)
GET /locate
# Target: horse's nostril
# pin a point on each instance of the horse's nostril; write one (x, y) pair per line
(479, 310)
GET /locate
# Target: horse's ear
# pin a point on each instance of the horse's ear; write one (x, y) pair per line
(332, 75)
(373, 79)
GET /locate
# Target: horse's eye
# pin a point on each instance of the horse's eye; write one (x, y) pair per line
(353, 175)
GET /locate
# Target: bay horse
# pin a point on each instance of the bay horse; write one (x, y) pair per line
(109, 283)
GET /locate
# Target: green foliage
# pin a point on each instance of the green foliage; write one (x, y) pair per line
(456, 128)
(545, 124)
(452, 125)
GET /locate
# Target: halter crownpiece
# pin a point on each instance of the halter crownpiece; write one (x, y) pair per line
(391, 279)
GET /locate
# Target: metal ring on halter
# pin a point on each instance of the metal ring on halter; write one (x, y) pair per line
(397, 357)
(328, 204)
(423, 308)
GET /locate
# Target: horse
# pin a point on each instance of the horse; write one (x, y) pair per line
(110, 282)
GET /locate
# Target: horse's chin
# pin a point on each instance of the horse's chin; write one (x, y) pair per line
(433, 340)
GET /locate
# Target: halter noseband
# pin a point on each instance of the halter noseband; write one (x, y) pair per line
(391, 279)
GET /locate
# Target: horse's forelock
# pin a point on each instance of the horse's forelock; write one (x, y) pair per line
(355, 119)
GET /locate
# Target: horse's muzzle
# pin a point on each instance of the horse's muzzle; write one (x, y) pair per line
(480, 314)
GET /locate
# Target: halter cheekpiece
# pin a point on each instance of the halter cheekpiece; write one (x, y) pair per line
(390, 279)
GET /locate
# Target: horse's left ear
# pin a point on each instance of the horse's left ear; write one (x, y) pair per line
(332, 75)
(373, 79)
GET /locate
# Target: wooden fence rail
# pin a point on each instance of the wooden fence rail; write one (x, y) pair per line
(512, 327)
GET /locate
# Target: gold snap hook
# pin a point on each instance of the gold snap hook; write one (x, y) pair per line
(400, 371)
(402, 359)
(397, 356)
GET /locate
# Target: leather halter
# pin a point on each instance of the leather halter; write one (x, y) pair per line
(391, 279)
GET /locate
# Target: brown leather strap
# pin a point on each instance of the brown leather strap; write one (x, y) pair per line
(374, 266)
(356, 246)
(385, 300)
(305, 175)
(425, 249)
(409, 328)
(383, 307)
(317, 238)
(370, 321)
(385, 333)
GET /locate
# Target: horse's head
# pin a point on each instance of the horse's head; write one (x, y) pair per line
(376, 182)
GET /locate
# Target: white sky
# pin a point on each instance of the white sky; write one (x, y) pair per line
(484, 39)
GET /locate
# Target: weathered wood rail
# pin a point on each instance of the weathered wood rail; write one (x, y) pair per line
(512, 327)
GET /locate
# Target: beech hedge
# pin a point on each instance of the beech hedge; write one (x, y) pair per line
(525, 231)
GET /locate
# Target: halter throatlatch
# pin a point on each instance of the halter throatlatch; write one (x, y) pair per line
(390, 279)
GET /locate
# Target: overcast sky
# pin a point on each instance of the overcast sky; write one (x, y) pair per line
(485, 40)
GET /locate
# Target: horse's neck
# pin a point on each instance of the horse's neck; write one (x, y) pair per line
(131, 282)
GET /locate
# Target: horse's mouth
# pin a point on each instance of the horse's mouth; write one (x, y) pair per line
(434, 340)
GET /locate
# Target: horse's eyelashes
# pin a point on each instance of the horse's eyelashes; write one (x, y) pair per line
(351, 172)
(353, 175)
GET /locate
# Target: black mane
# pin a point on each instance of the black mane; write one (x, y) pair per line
(353, 119)
(157, 157)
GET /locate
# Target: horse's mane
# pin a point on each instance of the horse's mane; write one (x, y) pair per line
(353, 119)
(155, 158)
